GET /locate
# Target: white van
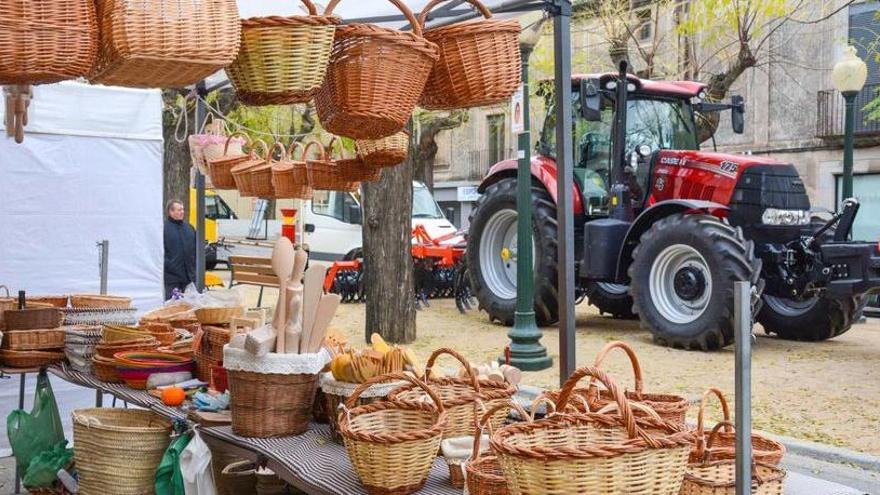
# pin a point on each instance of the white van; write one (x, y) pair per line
(332, 222)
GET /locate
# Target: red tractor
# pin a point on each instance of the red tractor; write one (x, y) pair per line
(663, 229)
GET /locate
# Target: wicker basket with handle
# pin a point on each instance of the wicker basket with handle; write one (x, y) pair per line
(325, 173)
(47, 42)
(484, 474)
(392, 445)
(164, 43)
(33, 340)
(290, 177)
(210, 144)
(375, 78)
(459, 395)
(764, 450)
(384, 152)
(282, 60)
(261, 175)
(353, 169)
(612, 454)
(718, 477)
(220, 169)
(241, 173)
(479, 61)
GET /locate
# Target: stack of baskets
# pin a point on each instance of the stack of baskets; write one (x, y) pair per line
(208, 349)
(98, 301)
(119, 339)
(32, 337)
(135, 368)
(80, 342)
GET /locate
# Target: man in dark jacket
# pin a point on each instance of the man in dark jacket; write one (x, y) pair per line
(180, 249)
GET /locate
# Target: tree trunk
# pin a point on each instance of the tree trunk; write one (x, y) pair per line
(176, 162)
(717, 88)
(388, 266)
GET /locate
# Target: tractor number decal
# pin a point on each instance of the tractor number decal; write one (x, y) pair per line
(729, 168)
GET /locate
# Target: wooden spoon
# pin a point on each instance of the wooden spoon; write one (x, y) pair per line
(324, 314)
(299, 266)
(283, 259)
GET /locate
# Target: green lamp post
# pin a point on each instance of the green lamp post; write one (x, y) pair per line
(526, 351)
(849, 77)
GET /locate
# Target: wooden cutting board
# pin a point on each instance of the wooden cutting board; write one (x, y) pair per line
(313, 287)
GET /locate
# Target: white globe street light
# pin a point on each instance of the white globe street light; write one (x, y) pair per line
(849, 77)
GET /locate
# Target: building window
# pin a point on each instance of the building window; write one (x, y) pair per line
(496, 132)
(644, 31)
(866, 188)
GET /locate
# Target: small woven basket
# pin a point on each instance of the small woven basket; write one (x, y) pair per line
(220, 169)
(290, 177)
(218, 315)
(591, 452)
(353, 169)
(282, 60)
(118, 450)
(33, 340)
(164, 43)
(32, 318)
(208, 342)
(384, 152)
(392, 445)
(261, 175)
(375, 78)
(270, 404)
(709, 477)
(484, 474)
(764, 450)
(115, 333)
(54, 301)
(241, 173)
(459, 396)
(29, 359)
(99, 301)
(107, 350)
(325, 174)
(53, 42)
(335, 393)
(479, 61)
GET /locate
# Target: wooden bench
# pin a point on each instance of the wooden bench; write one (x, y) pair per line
(252, 270)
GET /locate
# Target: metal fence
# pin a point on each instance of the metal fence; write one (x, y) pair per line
(471, 165)
(832, 109)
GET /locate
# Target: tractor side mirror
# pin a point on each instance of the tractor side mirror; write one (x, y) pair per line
(591, 101)
(737, 113)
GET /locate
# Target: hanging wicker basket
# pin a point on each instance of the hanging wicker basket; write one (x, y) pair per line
(484, 475)
(718, 477)
(392, 445)
(325, 173)
(612, 454)
(241, 173)
(47, 42)
(261, 175)
(375, 78)
(384, 152)
(164, 43)
(764, 450)
(459, 395)
(479, 65)
(282, 60)
(290, 177)
(220, 169)
(353, 169)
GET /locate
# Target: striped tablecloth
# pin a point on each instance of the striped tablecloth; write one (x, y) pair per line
(316, 465)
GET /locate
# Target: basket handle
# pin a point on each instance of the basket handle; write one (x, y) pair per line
(487, 415)
(728, 427)
(296, 145)
(725, 409)
(321, 148)
(475, 384)
(235, 134)
(633, 359)
(423, 16)
(209, 119)
(637, 406)
(416, 28)
(310, 7)
(624, 410)
(387, 377)
(6, 289)
(263, 145)
(271, 152)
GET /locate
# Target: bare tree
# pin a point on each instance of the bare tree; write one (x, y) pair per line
(424, 151)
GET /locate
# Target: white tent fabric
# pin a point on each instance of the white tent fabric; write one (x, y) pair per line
(90, 169)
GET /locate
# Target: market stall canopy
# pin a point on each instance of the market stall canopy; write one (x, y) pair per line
(90, 169)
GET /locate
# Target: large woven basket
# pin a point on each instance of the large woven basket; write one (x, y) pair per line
(764, 450)
(282, 60)
(220, 169)
(33, 340)
(164, 43)
(29, 359)
(335, 393)
(484, 474)
(375, 78)
(290, 177)
(32, 318)
(459, 395)
(118, 450)
(612, 454)
(384, 152)
(325, 174)
(479, 61)
(709, 477)
(269, 404)
(392, 445)
(47, 42)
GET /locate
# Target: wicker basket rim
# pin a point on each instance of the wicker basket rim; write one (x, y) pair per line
(376, 33)
(489, 390)
(396, 435)
(32, 354)
(775, 474)
(275, 21)
(474, 26)
(81, 418)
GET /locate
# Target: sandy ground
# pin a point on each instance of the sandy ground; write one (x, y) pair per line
(825, 392)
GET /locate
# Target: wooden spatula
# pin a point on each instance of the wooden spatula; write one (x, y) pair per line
(324, 315)
(313, 287)
(283, 259)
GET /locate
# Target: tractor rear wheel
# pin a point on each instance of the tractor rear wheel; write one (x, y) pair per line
(682, 276)
(810, 320)
(491, 252)
(613, 299)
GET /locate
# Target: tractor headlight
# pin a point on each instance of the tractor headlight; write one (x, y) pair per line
(774, 216)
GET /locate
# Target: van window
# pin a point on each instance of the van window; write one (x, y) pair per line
(329, 203)
(217, 209)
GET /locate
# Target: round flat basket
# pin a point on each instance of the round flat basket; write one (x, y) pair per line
(99, 301)
(118, 450)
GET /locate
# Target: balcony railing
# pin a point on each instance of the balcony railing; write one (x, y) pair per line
(472, 165)
(832, 109)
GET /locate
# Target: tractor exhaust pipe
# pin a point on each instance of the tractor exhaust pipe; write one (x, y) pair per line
(621, 196)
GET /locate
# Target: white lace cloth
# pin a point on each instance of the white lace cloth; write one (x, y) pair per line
(274, 363)
(344, 389)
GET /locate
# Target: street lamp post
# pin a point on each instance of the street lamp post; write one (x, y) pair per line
(526, 351)
(849, 77)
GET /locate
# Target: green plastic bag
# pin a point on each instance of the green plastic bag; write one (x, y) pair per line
(43, 469)
(32, 433)
(169, 479)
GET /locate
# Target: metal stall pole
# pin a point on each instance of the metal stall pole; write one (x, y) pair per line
(201, 115)
(104, 263)
(743, 388)
(561, 11)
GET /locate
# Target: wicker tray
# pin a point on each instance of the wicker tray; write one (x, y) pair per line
(218, 315)
(32, 319)
(55, 301)
(29, 359)
(144, 344)
(167, 314)
(105, 369)
(99, 301)
(33, 340)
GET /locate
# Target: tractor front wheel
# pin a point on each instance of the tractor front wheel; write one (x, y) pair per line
(812, 320)
(683, 272)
